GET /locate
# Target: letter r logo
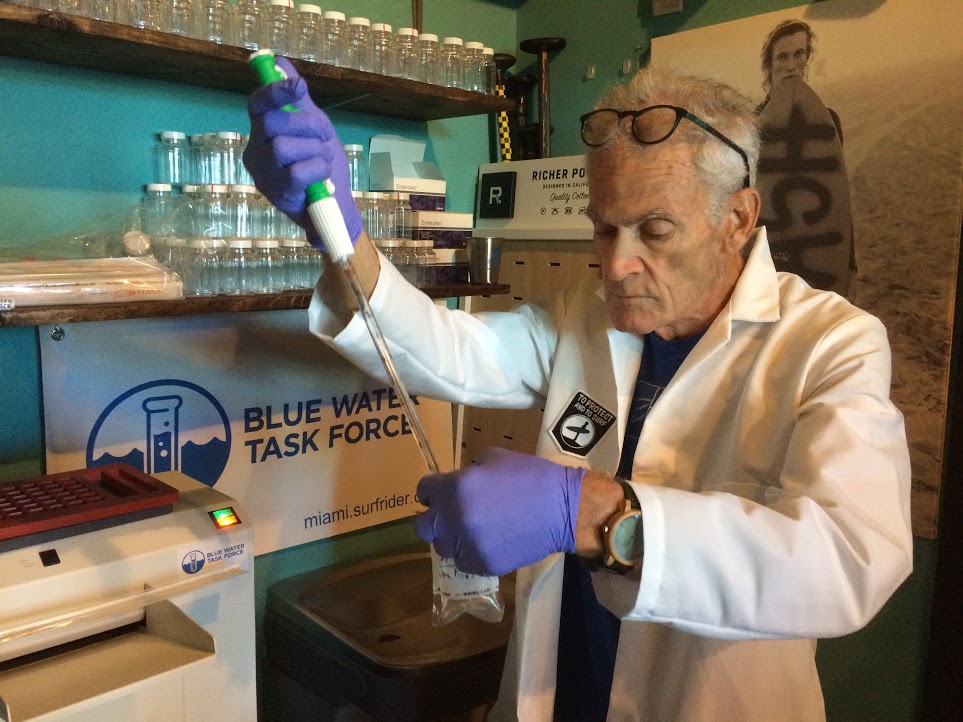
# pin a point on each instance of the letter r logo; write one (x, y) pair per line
(495, 196)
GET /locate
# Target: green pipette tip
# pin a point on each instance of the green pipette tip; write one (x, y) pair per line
(318, 191)
(262, 61)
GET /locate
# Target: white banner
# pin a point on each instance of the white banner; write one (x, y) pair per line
(250, 403)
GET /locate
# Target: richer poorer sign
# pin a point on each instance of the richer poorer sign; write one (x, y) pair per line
(251, 404)
(541, 199)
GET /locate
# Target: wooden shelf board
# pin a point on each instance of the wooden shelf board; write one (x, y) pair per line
(62, 39)
(81, 313)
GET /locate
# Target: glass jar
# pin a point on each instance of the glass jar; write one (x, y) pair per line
(267, 266)
(275, 28)
(382, 49)
(334, 40)
(180, 18)
(357, 167)
(491, 71)
(452, 62)
(425, 261)
(210, 20)
(244, 24)
(358, 48)
(428, 58)
(474, 67)
(224, 154)
(203, 267)
(238, 268)
(407, 63)
(242, 209)
(309, 31)
(169, 156)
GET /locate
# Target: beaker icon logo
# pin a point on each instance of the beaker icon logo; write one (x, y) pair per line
(165, 425)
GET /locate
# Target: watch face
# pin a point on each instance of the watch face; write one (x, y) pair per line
(627, 545)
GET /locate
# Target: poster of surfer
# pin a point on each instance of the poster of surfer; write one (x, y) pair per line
(861, 109)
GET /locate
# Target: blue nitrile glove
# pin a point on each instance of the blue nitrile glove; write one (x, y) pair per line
(288, 151)
(506, 511)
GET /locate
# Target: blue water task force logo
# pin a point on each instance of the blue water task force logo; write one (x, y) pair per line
(165, 425)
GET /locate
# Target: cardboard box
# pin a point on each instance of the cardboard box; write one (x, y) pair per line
(446, 229)
(397, 164)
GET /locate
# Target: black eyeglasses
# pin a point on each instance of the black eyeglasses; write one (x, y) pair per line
(651, 125)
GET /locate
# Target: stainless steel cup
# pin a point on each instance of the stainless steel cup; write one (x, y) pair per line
(484, 259)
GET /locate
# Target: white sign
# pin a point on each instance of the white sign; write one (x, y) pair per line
(250, 403)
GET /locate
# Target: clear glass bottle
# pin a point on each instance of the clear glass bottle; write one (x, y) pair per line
(475, 74)
(358, 48)
(309, 30)
(238, 266)
(169, 156)
(196, 165)
(401, 214)
(425, 261)
(267, 265)
(407, 62)
(368, 208)
(288, 263)
(101, 10)
(210, 217)
(391, 249)
(245, 24)
(156, 215)
(451, 60)
(241, 175)
(428, 57)
(334, 40)
(225, 152)
(147, 14)
(203, 267)
(275, 30)
(408, 261)
(175, 256)
(242, 210)
(382, 49)
(180, 17)
(491, 71)
(357, 166)
(210, 20)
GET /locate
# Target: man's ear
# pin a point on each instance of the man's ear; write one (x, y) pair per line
(743, 215)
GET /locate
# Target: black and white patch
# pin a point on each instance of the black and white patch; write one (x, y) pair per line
(581, 425)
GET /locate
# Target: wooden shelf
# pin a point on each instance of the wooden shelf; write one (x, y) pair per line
(62, 39)
(80, 313)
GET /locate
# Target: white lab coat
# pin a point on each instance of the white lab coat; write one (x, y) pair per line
(773, 474)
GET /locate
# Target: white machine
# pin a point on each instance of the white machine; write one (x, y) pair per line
(148, 621)
(538, 208)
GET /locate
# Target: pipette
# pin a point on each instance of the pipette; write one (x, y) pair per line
(329, 223)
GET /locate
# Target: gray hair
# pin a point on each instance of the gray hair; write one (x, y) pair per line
(719, 105)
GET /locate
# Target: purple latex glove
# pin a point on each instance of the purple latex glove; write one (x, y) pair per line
(506, 511)
(287, 152)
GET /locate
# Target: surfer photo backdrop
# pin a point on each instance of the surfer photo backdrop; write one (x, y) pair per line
(860, 174)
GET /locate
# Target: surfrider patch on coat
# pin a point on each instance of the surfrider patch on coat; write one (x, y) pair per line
(581, 425)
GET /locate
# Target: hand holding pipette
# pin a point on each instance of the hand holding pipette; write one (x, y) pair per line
(292, 146)
(289, 151)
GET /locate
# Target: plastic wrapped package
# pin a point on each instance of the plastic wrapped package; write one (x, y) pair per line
(86, 280)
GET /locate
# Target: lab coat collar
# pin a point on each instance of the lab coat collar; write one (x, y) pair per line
(755, 298)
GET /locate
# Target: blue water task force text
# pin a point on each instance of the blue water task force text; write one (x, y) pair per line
(262, 420)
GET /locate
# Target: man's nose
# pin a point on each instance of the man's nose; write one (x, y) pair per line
(623, 259)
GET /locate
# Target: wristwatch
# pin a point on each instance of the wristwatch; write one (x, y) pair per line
(623, 534)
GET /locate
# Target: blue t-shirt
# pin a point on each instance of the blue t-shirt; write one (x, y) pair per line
(588, 636)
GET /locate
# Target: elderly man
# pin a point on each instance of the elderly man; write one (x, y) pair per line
(752, 491)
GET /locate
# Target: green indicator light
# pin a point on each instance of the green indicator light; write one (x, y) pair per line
(224, 517)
